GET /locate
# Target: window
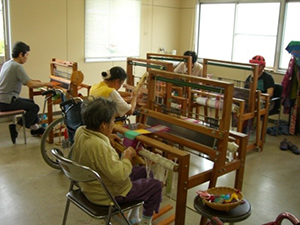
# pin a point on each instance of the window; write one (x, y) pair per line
(2, 51)
(289, 32)
(256, 31)
(238, 31)
(215, 39)
(112, 29)
(5, 45)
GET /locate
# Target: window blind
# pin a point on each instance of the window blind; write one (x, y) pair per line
(112, 29)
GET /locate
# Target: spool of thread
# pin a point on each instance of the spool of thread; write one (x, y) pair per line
(44, 118)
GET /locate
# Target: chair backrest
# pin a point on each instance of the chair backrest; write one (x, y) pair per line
(276, 98)
(79, 173)
(74, 171)
(72, 118)
(277, 90)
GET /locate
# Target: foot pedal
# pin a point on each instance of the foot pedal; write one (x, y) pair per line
(167, 221)
(162, 211)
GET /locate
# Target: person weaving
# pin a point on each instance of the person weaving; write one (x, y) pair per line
(12, 77)
(113, 80)
(92, 147)
(265, 82)
(196, 67)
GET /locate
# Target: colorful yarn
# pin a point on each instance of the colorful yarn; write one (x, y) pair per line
(223, 198)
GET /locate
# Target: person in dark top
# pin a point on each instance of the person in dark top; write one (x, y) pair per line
(265, 82)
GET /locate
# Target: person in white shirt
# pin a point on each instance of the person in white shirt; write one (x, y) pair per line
(196, 67)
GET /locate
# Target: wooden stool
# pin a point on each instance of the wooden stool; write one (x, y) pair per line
(13, 114)
(240, 213)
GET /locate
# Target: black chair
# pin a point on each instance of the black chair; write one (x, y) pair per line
(275, 104)
(79, 173)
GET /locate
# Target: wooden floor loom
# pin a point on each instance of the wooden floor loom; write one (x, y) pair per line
(65, 76)
(253, 105)
(138, 65)
(186, 136)
(133, 79)
(156, 61)
(172, 58)
(144, 63)
(187, 92)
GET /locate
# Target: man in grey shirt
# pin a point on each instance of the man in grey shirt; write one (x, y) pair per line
(12, 77)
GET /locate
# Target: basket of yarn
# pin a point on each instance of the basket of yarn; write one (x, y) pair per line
(221, 198)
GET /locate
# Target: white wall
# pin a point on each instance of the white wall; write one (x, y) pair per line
(55, 29)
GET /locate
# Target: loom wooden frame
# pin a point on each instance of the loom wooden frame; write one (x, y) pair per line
(218, 157)
(255, 99)
(57, 64)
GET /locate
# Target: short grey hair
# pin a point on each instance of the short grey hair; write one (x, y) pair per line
(94, 112)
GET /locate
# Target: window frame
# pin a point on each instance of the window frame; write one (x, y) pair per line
(280, 28)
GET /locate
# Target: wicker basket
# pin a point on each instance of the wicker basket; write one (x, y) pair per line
(224, 206)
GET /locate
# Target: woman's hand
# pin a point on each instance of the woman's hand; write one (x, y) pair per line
(129, 153)
(113, 138)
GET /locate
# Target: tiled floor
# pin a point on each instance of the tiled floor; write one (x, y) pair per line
(33, 193)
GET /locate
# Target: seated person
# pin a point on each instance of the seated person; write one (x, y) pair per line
(265, 81)
(113, 79)
(196, 67)
(93, 147)
(12, 77)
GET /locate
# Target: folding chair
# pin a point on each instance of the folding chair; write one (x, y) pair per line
(79, 173)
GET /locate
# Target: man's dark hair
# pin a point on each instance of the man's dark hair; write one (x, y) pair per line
(19, 47)
(193, 54)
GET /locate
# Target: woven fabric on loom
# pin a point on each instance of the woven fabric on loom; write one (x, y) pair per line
(129, 136)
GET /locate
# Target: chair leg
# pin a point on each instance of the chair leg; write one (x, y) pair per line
(127, 221)
(66, 212)
(108, 218)
(24, 129)
(120, 219)
(277, 127)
